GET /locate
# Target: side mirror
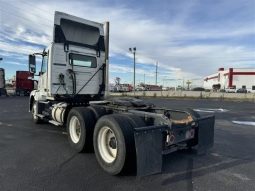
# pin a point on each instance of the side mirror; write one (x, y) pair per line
(32, 64)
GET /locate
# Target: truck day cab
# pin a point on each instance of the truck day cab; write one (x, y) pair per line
(126, 134)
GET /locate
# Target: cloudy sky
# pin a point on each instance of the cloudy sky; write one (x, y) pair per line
(189, 38)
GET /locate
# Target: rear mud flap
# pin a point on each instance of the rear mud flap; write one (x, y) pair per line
(148, 142)
(149, 145)
(205, 134)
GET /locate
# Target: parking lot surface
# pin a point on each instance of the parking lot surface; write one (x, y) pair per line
(38, 157)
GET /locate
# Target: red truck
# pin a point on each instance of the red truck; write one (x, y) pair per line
(24, 85)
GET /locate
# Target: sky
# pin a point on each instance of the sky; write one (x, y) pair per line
(189, 39)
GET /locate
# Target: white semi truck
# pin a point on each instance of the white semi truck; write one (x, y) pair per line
(126, 134)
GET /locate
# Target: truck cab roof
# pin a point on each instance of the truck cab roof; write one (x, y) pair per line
(70, 29)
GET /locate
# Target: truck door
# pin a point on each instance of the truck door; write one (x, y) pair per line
(42, 83)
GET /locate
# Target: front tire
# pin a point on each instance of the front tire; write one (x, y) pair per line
(80, 126)
(35, 118)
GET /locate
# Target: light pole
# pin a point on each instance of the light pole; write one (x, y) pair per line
(133, 50)
(156, 73)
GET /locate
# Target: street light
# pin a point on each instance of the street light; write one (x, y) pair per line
(133, 50)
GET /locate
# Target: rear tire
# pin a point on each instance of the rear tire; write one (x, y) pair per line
(80, 126)
(98, 111)
(115, 132)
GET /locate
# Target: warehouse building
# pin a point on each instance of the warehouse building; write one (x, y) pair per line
(235, 78)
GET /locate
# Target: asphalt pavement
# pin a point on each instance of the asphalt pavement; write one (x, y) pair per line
(38, 157)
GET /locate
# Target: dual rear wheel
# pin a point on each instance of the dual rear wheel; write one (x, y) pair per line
(111, 137)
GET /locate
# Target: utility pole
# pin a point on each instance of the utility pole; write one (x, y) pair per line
(133, 51)
(144, 78)
(156, 72)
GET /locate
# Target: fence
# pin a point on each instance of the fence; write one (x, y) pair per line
(190, 94)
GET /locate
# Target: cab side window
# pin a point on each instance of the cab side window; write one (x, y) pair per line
(82, 60)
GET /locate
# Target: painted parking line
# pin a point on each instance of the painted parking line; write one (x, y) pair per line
(210, 110)
(242, 177)
(251, 123)
(9, 125)
(215, 154)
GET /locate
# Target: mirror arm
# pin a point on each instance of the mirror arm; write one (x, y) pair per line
(44, 53)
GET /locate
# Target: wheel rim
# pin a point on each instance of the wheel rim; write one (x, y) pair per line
(107, 144)
(33, 111)
(75, 129)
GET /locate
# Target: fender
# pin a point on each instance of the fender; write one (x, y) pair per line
(31, 99)
(36, 95)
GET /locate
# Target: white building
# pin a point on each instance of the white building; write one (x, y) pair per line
(231, 78)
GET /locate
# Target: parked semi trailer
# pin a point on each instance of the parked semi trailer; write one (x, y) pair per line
(2, 82)
(23, 84)
(126, 134)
